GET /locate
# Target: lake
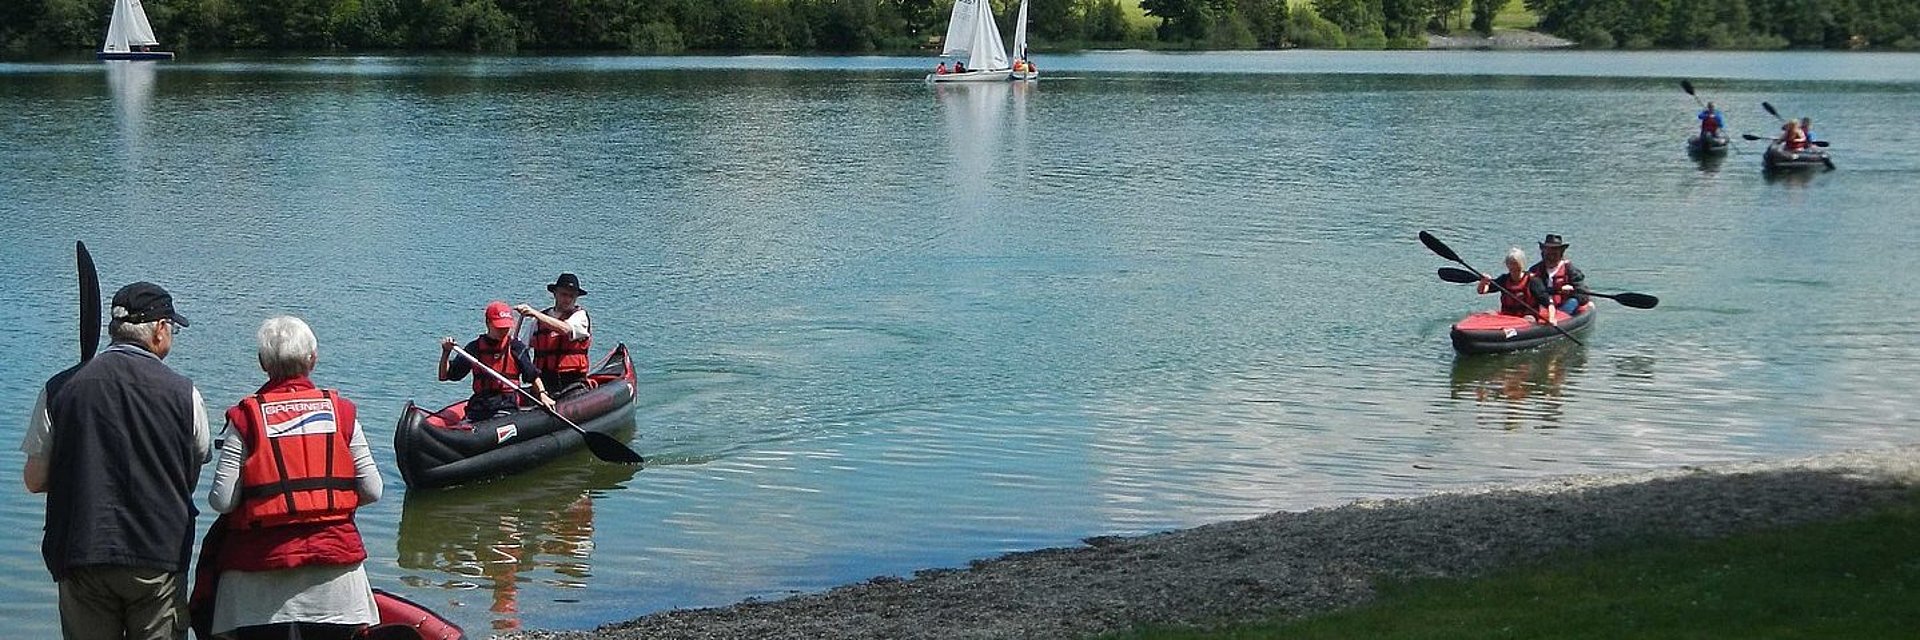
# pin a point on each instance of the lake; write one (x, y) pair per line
(884, 326)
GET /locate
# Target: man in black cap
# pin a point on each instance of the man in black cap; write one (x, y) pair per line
(118, 452)
(1566, 284)
(562, 336)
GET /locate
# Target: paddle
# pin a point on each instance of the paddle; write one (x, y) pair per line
(604, 446)
(1635, 300)
(1687, 86)
(1751, 137)
(1441, 249)
(1818, 143)
(89, 301)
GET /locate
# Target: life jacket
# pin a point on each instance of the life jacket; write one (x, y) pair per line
(498, 357)
(1521, 303)
(1556, 278)
(554, 353)
(1709, 122)
(298, 468)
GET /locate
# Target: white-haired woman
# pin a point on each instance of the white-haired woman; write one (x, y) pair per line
(294, 464)
(1524, 294)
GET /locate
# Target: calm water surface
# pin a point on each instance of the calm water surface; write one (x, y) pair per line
(884, 326)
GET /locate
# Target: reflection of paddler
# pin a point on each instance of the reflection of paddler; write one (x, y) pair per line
(1516, 377)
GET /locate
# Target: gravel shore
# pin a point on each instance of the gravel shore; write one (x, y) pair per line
(1304, 562)
(1502, 39)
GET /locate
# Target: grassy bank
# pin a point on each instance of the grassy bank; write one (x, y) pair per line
(1853, 579)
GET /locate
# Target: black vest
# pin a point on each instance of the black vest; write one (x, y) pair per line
(122, 466)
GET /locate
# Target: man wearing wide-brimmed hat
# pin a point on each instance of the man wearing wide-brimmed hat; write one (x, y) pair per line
(1566, 284)
(562, 336)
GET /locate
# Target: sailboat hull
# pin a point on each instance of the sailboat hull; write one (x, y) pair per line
(971, 76)
(134, 55)
(1026, 75)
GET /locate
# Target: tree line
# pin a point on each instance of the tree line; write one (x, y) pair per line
(856, 26)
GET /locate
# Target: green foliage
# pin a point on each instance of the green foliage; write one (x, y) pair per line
(1307, 29)
(1483, 14)
(1759, 24)
(1106, 21)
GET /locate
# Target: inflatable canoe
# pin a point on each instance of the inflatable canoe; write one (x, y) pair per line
(442, 448)
(1698, 145)
(1493, 332)
(1778, 158)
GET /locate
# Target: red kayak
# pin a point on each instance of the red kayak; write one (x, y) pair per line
(1492, 332)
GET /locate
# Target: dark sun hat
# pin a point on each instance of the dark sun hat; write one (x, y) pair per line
(144, 302)
(569, 281)
(1553, 242)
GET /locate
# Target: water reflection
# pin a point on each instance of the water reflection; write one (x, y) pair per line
(973, 112)
(1524, 387)
(536, 526)
(130, 82)
(1710, 164)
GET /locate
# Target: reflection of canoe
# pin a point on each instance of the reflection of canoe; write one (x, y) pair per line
(1516, 376)
(1778, 158)
(440, 525)
(1717, 145)
(1491, 332)
(441, 448)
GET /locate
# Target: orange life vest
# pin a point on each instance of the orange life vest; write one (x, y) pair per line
(499, 358)
(1521, 303)
(554, 353)
(298, 468)
(1555, 279)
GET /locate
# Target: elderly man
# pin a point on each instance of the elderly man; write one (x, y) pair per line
(118, 449)
(294, 465)
(563, 336)
(1566, 286)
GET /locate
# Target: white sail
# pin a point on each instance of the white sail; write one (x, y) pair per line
(972, 34)
(1020, 34)
(129, 28)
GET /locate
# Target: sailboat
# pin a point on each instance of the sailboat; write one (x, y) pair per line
(129, 35)
(1023, 67)
(972, 36)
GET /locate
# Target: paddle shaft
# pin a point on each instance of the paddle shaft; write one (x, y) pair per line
(1628, 298)
(602, 445)
(1440, 248)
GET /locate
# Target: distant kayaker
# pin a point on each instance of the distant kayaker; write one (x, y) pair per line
(940, 70)
(1806, 128)
(117, 447)
(1710, 122)
(501, 352)
(294, 466)
(562, 336)
(1792, 137)
(1566, 286)
(1527, 292)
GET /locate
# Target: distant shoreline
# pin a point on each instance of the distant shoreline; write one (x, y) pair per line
(1298, 563)
(1501, 40)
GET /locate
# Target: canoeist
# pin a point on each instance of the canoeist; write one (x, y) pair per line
(940, 70)
(294, 466)
(1566, 286)
(1711, 122)
(561, 337)
(1806, 128)
(1528, 292)
(117, 447)
(1792, 137)
(498, 350)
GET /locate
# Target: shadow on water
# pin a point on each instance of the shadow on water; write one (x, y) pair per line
(537, 525)
(1528, 385)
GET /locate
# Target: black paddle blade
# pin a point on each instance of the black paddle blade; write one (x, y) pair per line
(606, 448)
(1687, 86)
(1751, 138)
(1458, 276)
(1821, 143)
(1770, 110)
(89, 301)
(1437, 247)
(1636, 300)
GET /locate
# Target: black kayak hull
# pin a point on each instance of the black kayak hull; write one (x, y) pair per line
(440, 449)
(1780, 159)
(1502, 340)
(1699, 146)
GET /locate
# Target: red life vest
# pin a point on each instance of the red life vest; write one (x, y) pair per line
(554, 353)
(1521, 303)
(1555, 279)
(298, 468)
(498, 357)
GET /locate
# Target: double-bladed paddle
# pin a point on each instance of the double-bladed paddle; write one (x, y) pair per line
(1818, 143)
(1628, 298)
(1751, 137)
(1441, 249)
(1687, 86)
(604, 446)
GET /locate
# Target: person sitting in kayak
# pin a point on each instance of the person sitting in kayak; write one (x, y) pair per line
(1566, 286)
(1806, 128)
(1792, 138)
(1526, 292)
(562, 337)
(1711, 123)
(501, 352)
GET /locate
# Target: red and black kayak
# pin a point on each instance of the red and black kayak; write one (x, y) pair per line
(442, 448)
(1493, 332)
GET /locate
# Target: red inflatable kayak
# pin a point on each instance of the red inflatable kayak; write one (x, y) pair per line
(1491, 332)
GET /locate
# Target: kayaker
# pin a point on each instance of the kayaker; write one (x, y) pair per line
(562, 336)
(1527, 291)
(501, 352)
(1710, 122)
(1566, 286)
(117, 447)
(1792, 138)
(941, 69)
(1806, 128)
(294, 466)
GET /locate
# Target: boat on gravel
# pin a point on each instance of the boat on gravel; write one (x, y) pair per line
(442, 448)
(1494, 332)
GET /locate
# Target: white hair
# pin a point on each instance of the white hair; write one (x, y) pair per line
(287, 347)
(1516, 256)
(137, 333)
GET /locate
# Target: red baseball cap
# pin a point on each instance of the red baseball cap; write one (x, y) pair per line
(499, 315)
